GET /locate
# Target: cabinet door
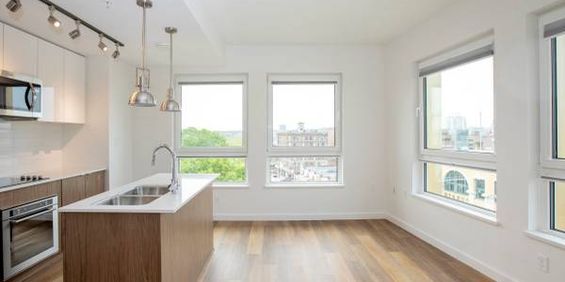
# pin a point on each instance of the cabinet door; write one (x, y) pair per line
(73, 189)
(95, 183)
(75, 88)
(51, 68)
(20, 52)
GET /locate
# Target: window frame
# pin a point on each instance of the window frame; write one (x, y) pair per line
(181, 80)
(550, 168)
(292, 152)
(473, 160)
(212, 152)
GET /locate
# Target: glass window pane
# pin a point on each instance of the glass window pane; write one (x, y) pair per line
(559, 95)
(230, 169)
(459, 108)
(304, 170)
(558, 204)
(303, 114)
(470, 186)
(212, 115)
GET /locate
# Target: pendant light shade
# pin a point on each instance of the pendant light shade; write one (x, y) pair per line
(141, 96)
(169, 104)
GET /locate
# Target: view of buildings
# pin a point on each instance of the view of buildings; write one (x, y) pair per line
(471, 186)
(303, 169)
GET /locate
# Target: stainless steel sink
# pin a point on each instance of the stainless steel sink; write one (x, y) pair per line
(128, 200)
(148, 191)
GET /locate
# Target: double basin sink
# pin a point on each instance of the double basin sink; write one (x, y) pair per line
(139, 195)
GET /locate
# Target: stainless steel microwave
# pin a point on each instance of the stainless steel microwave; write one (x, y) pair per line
(20, 96)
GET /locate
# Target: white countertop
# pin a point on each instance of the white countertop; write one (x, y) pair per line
(190, 186)
(53, 176)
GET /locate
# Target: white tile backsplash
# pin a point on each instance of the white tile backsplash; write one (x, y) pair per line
(28, 147)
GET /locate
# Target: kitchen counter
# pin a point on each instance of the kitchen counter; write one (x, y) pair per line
(53, 176)
(168, 239)
(190, 185)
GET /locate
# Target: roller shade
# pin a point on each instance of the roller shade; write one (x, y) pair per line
(554, 28)
(474, 55)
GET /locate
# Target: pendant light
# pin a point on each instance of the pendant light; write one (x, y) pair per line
(169, 104)
(141, 96)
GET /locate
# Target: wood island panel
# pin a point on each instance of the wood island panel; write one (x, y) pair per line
(111, 247)
(192, 223)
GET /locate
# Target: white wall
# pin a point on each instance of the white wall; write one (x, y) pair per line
(86, 146)
(502, 251)
(364, 132)
(120, 123)
(29, 147)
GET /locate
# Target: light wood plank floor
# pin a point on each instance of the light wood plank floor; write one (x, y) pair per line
(297, 251)
(363, 250)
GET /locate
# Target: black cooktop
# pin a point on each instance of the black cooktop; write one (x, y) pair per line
(11, 181)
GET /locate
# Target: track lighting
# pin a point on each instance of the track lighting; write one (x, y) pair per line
(75, 32)
(116, 52)
(14, 5)
(52, 19)
(101, 44)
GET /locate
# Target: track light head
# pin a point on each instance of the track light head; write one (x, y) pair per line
(101, 44)
(75, 33)
(52, 19)
(14, 5)
(116, 52)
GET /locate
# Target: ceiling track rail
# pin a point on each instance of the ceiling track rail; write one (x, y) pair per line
(82, 22)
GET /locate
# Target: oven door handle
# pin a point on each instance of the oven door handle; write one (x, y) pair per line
(31, 216)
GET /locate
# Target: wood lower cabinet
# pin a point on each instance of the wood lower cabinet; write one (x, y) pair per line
(83, 186)
(73, 189)
(95, 183)
(29, 194)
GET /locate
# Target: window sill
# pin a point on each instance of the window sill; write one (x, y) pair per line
(546, 238)
(460, 208)
(304, 186)
(228, 186)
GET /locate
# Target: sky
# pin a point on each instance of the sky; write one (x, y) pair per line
(218, 107)
(468, 90)
(312, 104)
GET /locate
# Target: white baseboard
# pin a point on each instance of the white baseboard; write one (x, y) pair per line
(454, 252)
(297, 216)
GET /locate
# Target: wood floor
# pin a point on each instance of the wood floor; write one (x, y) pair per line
(363, 250)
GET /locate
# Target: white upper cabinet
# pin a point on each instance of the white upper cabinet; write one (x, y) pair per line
(75, 87)
(20, 52)
(51, 71)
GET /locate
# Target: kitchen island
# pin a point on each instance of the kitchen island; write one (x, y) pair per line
(140, 232)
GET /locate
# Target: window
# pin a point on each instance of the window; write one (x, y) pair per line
(304, 130)
(557, 202)
(452, 182)
(457, 128)
(211, 130)
(480, 189)
(549, 197)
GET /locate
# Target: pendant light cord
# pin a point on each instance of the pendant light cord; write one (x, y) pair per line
(171, 63)
(143, 40)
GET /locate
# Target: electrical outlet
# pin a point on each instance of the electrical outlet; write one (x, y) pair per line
(543, 263)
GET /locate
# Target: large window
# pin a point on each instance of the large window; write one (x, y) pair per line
(549, 203)
(457, 128)
(211, 132)
(304, 130)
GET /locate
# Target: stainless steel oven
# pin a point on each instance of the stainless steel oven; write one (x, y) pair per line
(30, 233)
(20, 96)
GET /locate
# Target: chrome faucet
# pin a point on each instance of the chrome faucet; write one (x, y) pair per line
(174, 187)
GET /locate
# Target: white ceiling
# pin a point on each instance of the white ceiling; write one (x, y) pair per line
(205, 26)
(316, 21)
